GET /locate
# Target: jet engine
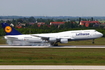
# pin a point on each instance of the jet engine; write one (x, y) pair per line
(52, 39)
(64, 41)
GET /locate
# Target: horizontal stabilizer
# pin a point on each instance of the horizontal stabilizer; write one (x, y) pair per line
(12, 38)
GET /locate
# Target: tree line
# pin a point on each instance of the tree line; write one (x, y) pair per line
(33, 29)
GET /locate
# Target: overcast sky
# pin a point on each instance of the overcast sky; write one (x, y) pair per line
(52, 7)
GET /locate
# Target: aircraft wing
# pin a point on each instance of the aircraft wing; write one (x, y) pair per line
(44, 38)
(53, 39)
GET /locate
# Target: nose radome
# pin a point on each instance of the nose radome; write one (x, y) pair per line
(100, 34)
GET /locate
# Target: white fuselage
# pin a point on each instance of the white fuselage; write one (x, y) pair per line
(67, 35)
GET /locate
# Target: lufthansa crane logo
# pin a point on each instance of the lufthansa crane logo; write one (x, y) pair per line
(8, 29)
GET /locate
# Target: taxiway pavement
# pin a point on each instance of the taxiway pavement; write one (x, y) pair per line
(52, 67)
(81, 46)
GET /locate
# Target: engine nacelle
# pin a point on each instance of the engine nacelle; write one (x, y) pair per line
(64, 41)
(52, 39)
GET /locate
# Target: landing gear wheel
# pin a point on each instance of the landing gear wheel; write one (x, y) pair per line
(93, 41)
(54, 44)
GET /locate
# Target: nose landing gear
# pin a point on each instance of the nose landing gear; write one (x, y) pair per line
(93, 41)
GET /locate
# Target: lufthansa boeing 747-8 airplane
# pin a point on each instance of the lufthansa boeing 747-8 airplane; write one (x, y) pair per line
(14, 37)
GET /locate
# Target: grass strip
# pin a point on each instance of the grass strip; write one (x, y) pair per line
(52, 56)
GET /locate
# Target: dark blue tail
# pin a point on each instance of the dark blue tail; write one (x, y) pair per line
(9, 30)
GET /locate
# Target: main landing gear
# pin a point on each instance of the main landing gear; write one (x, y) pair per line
(54, 44)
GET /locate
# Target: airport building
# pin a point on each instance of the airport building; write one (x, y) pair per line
(87, 23)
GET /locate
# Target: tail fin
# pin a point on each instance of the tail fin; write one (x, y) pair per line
(9, 30)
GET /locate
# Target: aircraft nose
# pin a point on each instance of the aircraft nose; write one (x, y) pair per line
(100, 34)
